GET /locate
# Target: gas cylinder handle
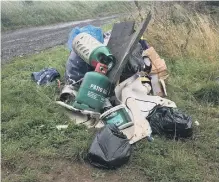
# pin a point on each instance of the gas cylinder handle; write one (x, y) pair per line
(101, 68)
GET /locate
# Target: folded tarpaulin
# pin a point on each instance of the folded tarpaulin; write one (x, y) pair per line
(45, 76)
(96, 32)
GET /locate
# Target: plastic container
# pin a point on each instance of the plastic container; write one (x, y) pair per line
(119, 116)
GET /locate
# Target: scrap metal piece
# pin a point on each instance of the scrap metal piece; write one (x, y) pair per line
(89, 118)
(121, 45)
(68, 93)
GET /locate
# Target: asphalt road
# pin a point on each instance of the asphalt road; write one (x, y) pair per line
(33, 40)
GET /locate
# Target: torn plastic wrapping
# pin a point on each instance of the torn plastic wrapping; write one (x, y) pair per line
(170, 122)
(110, 148)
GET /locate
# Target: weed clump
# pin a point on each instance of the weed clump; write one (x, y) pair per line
(209, 93)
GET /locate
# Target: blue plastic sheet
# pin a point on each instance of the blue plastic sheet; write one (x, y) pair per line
(96, 32)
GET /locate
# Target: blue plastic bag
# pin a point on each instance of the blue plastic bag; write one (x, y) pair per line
(96, 32)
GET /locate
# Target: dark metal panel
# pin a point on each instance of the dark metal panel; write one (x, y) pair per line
(123, 43)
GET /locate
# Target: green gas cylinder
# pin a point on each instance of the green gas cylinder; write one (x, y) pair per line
(92, 51)
(101, 54)
(93, 90)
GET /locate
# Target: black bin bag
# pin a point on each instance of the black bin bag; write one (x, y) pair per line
(110, 148)
(170, 122)
(135, 63)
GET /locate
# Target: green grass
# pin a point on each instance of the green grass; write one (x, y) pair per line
(30, 139)
(209, 93)
(34, 13)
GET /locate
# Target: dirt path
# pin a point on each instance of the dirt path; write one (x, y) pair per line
(62, 170)
(32, 40)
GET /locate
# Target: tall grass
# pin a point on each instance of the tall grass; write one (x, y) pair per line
(191, 35)
(175, 31)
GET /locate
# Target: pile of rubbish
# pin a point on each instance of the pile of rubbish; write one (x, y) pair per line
(115, 82)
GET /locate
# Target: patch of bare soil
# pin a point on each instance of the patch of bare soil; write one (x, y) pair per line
(62, 170)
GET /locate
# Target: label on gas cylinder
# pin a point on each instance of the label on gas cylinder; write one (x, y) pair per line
(99, 89)
(95, 96)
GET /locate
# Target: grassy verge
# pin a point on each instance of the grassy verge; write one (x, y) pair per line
(30, 139)
(33, 13)
(34, 150)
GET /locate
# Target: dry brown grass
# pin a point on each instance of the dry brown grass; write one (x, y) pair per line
(176, 32)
